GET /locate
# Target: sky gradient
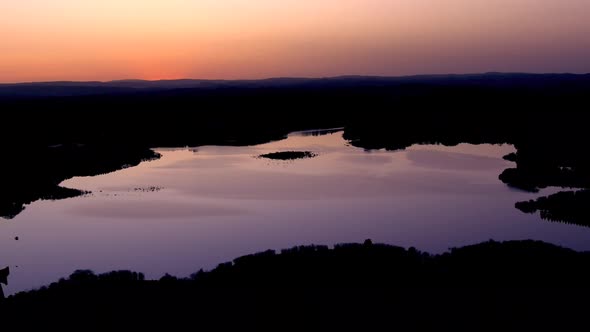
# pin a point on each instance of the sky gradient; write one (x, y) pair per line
(232, 39)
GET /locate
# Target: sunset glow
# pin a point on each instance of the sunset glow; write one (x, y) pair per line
(156, 39)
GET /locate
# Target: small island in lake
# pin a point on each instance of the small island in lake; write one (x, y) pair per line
(288, 155)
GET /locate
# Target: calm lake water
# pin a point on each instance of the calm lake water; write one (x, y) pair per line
(195, 208)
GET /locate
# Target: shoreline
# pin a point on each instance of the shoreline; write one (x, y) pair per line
(501, 282)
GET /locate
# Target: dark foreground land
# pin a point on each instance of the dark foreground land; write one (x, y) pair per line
(510, 286)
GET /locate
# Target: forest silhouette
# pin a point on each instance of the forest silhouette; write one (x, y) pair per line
(53, 136)
(518, 285)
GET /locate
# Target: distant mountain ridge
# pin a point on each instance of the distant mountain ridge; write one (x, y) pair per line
(492, 79)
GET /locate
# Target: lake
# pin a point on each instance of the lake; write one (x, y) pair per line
(197, 207)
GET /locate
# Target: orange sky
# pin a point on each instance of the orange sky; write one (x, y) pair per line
(44, 40)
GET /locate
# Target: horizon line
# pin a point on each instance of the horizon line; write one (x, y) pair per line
(489, 73)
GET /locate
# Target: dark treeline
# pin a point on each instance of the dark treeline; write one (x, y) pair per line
(514, 286)
(484, 108)
(542, 115)
(567, 206)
